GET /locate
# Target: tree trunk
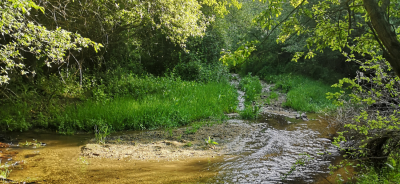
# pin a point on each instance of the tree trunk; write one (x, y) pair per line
(386, 35)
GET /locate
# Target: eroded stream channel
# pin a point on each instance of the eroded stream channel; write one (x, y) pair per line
(261, 151)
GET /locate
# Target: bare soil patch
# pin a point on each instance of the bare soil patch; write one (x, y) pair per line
(169, 145)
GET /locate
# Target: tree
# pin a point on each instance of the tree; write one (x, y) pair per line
(51, 30)
(366, 32)
(386, 34)
(358, 26)
(22, 35)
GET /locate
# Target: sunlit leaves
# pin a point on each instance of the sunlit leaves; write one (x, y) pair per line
(239, 56)
(27, 36)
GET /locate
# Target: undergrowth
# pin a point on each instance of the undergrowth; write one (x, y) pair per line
(252, 87)
(389, 174)
(303, 94)
(158, 102)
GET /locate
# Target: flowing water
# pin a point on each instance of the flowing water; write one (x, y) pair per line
(271, 151)
(268, 154)
(263, 156)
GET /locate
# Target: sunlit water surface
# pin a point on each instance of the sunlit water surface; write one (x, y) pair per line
(266, 155)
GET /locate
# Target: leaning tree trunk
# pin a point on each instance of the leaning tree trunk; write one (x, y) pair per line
(385, 34)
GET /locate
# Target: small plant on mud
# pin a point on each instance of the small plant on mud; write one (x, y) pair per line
(189, 144)
(37, 144)
(169, 132)
(179, 137)
(119, 140)
(102, 131)
(5, 172)
(27, 143)
(193, 129)
(210, 142)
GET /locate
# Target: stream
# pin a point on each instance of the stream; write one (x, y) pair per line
(260, 151)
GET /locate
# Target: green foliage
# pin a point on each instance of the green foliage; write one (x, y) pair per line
(35, 144)
(201, 72)
(27, 36)
(272, 96)
(372, 110)
(251, 86)
(239, 56)
(303, 94)
(5, 171)
(272, 61)
(344, 32)
(150, 103)
(189, 144)
(299, 162)
(250, 112)
(389, 173)
(14, 117)
(193, 128)
(210, 142)
(102, 130)
(169, 132)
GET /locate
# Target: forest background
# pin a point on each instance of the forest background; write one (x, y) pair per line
(69, 65)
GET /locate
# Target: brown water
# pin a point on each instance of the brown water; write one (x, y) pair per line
(263, 156)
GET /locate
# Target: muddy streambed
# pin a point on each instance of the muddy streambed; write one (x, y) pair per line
(261, 151)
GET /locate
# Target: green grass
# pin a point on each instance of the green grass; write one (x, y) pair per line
(271, 97)
(251, 86)
(176, 104)
(250, 112)
(303, 94)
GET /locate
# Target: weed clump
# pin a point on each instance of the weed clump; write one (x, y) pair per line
(251, 86)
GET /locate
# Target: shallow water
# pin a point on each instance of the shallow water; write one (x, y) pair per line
(269, 153)
(263, 156)
(60, 162)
